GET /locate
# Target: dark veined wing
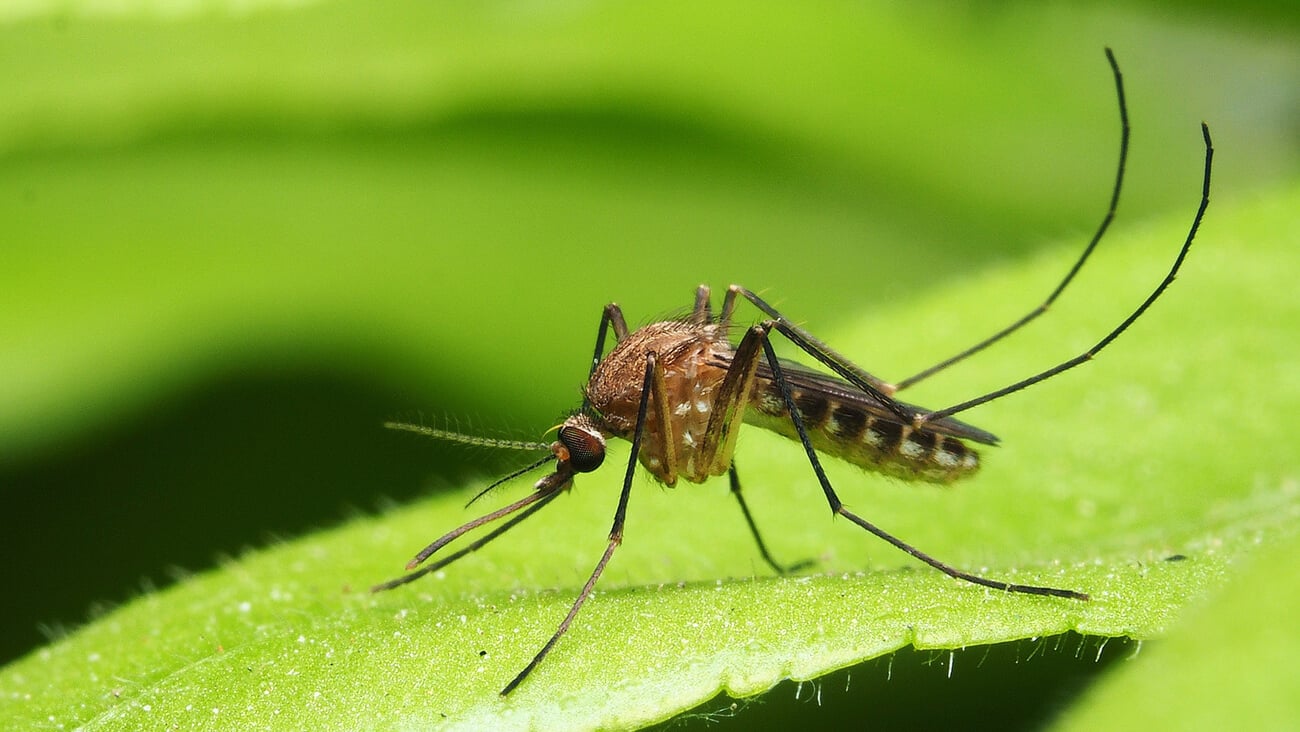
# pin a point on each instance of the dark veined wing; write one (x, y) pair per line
(800, 377)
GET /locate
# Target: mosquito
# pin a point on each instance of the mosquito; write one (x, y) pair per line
(680, 389)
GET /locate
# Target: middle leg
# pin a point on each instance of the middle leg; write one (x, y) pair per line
(734, 479)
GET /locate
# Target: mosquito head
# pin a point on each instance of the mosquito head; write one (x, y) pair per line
(580, 449)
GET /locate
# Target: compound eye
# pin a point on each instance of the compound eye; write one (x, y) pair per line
(586, 449)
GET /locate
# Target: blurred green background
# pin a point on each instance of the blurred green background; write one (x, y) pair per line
(237, 236)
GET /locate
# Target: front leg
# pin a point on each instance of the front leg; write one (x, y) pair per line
(615, 531)
(610, 317)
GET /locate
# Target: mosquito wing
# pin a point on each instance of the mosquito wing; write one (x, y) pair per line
(837, 391)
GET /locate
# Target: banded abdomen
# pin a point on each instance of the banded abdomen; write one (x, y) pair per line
(849, 424)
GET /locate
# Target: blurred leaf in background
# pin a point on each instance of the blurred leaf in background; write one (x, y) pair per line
(237, 236)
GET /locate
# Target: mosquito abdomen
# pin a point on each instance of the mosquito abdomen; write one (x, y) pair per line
(870, 441)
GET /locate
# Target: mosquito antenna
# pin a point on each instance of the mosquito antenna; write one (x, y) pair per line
(1078, 264)
(463, 439)
(526, 469)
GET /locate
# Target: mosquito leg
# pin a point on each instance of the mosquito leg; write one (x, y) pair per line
(881, 390)
(610, 317)
(663, 435)
(478, 544)
(615, 532)
(702, 313)
(837, 506)
(728, 307)
(1078, 264)
(718, 442)
(1111, 336)
(753, 529)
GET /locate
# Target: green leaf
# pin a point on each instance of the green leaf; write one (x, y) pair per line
(442, 195)
(1107, 474)
(1232, 662)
